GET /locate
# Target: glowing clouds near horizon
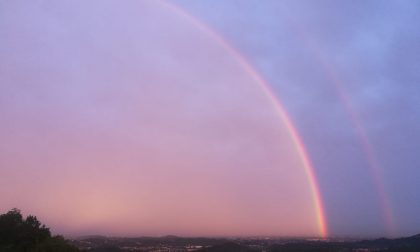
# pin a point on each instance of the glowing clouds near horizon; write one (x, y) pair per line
(127, 120)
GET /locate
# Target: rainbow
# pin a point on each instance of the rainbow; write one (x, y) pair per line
(375, 167)
(265, 87)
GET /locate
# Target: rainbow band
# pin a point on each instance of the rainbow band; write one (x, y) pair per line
(375, 167)
(298, 143)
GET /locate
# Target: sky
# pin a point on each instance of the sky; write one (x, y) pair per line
(292, 118)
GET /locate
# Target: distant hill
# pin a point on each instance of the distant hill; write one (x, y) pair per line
(174, 243)
(407, 244)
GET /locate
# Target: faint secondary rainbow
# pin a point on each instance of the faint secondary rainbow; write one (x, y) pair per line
(297, 141)
(375, 168)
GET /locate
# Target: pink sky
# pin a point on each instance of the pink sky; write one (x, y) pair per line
(128, 120)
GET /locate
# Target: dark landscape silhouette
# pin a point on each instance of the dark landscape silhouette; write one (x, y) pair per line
(19, 234)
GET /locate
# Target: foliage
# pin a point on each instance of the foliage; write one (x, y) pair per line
(28, 235)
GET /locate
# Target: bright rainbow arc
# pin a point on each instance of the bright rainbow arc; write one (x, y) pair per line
(374, 165)
(297, 141)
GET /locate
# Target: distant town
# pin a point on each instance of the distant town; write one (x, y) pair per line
(273, 244)
(27, 234)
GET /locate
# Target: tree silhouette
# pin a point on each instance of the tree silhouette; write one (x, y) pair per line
(28, 235)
